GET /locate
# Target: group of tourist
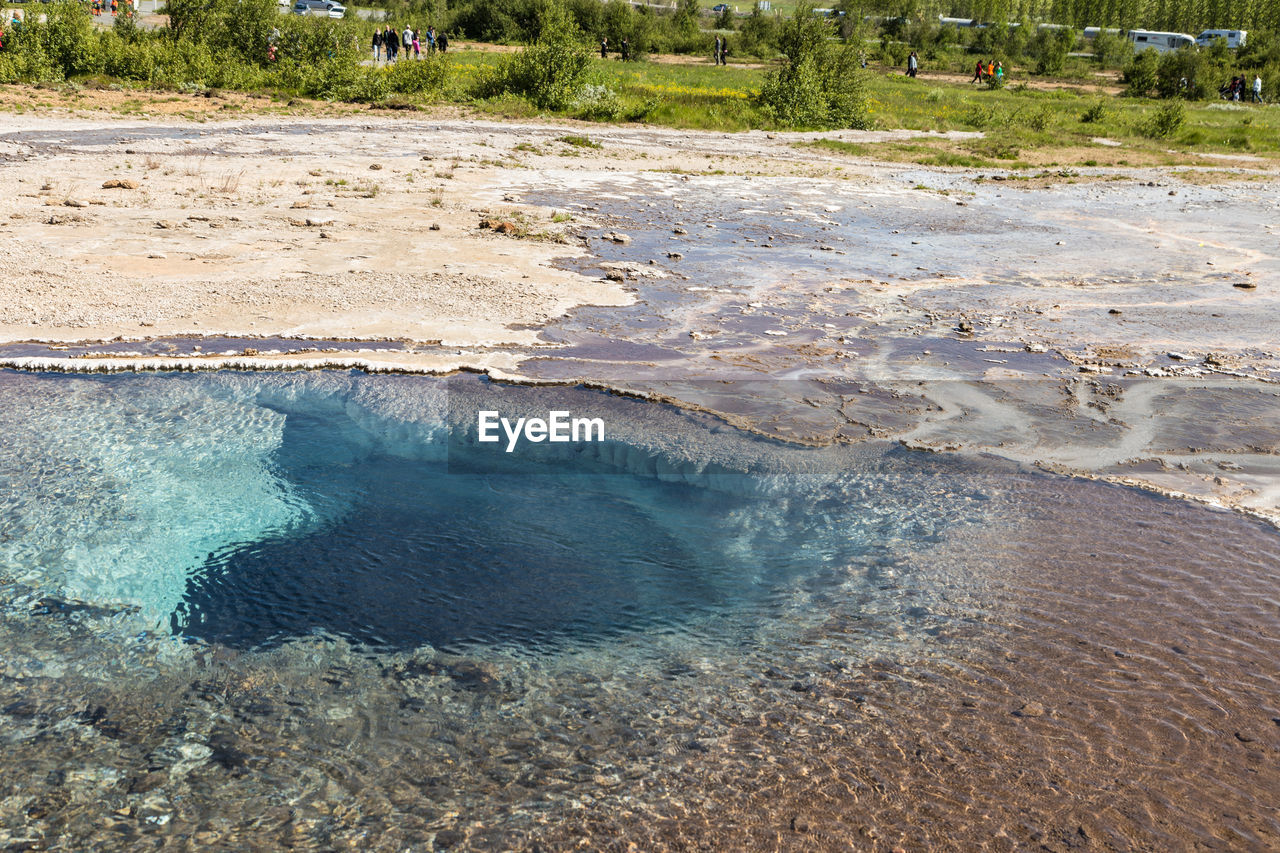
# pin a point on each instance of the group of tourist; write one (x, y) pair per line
(720, 51)
(387, 43)
(1234, 91)
(989, 70)
(624, 52)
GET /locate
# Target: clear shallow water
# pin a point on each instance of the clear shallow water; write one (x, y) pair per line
(246, 511)
(390, 638)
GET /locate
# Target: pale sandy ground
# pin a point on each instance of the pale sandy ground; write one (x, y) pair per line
(324, 229)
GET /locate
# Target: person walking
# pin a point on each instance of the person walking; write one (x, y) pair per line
(715, 52)
(604, 48)
(406, 41)
(724, 50)
(1257, 89)
(391, 42)
(913, 64)
(977, 73)
(377, 46)
(626, 50)
(442, 42)
(417, 44)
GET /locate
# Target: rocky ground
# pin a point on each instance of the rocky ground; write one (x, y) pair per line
(1107, 323)
(1140, 301)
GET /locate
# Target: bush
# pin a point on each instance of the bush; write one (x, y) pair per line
(1141, 74)
(1165, 121)
(551, 72)
(758, 35)
(1095, 113)
(598, 103)
(425, 76)
(1189, 73)
(1112, 50)
(1049, 48)
(820, 85)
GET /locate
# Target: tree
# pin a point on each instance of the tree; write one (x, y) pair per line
(820, 84)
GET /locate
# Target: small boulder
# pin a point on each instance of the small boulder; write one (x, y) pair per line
(119, 184)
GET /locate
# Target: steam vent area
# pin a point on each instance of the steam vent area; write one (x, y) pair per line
(429, 480)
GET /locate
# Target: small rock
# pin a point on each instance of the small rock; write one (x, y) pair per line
(75, 202)
(799, 824)
(620, 239)
(159, 256)
(375, 167)
(165, 223)
(435, 226)
(675, 256)
(1245, 737)
(1244, 285)
(678, 231)
(1178, 356)
(501, 226)
(615, 275)
(1031, 709)
(319, 222)
(1115, 311)
(119, 184)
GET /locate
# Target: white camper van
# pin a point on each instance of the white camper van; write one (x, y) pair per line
(1162, 42)
(1235, 38)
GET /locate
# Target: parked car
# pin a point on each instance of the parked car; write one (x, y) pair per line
(319, 7)
(720, 7)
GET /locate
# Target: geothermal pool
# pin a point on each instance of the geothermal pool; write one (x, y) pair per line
(313, 609)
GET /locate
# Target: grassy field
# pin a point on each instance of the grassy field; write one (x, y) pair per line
(1022, 127)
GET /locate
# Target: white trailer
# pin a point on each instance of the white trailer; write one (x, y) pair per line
(1235, 38)
(1162, 42)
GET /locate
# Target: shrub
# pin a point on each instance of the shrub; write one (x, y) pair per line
(980, 116)
(758, 35)
(426, 76)
(598, 103)
(549, 73)
(1112, 50)
(1140, 75)
(1165, 121)
(1049, 48)
(820, 84)
(1095, 113)
(1190, 74)
(1037, 119)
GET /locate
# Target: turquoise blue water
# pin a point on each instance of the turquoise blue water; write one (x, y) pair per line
(248, 510)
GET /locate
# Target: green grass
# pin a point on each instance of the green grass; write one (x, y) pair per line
(578, 141)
